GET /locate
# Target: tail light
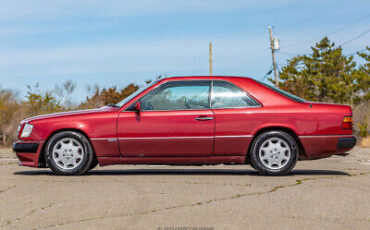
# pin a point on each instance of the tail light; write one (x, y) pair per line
(347, 122)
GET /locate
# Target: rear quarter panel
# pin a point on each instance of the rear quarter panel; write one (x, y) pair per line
(317, 125)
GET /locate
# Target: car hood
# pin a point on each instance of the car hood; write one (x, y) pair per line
(71, 113)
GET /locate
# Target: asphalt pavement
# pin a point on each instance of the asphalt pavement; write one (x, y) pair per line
(332, 193)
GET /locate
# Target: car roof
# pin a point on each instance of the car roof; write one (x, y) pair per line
(206, 77)
(213, 77)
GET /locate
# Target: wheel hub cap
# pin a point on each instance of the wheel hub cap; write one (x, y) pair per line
(68, 153)
(274, 153)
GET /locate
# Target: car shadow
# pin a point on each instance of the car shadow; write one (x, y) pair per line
(213, 172)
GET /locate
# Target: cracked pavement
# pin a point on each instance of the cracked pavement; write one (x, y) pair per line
(332, 193)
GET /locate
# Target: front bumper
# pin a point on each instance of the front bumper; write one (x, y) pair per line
(28, 152)
(20, 147)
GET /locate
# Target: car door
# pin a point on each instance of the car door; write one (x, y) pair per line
(234, 112)
(175, 120)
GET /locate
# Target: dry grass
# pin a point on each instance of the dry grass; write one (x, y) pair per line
(365, 142)
(6, 150)
(6, 153)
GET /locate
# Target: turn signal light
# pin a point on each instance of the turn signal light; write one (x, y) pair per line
(347, 122)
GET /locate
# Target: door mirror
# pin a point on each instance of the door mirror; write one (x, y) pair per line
(137, 107)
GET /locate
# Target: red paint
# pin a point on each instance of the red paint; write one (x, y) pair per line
(175, 137)
(30, 159)
(321, 146)
(165, 134)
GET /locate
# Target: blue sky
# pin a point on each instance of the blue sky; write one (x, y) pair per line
(118, 42)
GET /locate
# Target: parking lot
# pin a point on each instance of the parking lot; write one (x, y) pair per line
(332, 193)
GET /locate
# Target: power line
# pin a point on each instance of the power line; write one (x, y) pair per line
(334, 31)
(349, 24)
(268, 73)
(355, 38)
(291, 54)
(356, 52)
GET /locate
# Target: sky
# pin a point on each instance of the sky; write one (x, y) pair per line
(113, 42)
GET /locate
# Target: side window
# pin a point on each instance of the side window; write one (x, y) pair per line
(178, 95)
(226, 95)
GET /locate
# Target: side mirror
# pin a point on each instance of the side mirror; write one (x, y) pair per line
(137, 107)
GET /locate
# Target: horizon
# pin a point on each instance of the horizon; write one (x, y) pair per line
(115, 44)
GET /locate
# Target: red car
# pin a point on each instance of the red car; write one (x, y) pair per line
(190, 121)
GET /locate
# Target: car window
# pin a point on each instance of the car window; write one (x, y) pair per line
(178, 95)
(137, 92)
(282, 92)
(227, 95)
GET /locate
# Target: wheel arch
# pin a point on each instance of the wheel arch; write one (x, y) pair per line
(42, 160)
(277, 128)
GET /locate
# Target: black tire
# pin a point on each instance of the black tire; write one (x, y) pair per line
(88, 153)
(94, 163)
(258, 164)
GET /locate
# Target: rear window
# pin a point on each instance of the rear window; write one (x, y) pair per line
(282, 92)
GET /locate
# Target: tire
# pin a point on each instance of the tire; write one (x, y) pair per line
(274, 153)
(69, 153)
(94, 163)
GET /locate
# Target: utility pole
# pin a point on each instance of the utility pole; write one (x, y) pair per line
(274, 46)
(210, 59)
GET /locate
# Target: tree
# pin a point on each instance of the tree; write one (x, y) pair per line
(9, 114)
(107, 96)
(326, 75)
(363, 74)
(41, 102)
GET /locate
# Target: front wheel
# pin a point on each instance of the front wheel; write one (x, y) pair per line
(69, 153)
(274, 153)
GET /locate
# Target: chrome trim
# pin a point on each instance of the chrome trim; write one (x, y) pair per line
(210, 97)
(171, 110)
(344, 135)
(185, 137)
(204, 118)
(241, 107)
(233, 136)
(249, 107)
(104, 138)
(161, 84)
(158, 138)
(210, 94)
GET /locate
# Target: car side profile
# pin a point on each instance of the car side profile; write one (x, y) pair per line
(190, 121)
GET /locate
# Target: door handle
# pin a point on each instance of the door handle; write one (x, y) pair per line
(204, 118)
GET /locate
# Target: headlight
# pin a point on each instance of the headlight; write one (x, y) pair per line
(26, 132)
(19, 129)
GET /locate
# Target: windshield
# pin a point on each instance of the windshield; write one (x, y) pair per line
(282, 92)
(137, 92)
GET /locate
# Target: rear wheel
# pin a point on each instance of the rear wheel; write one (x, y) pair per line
(274, 153)
(69, 153)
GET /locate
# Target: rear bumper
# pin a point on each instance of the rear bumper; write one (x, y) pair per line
(326, 145)
(346, 142)
(28, 152)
